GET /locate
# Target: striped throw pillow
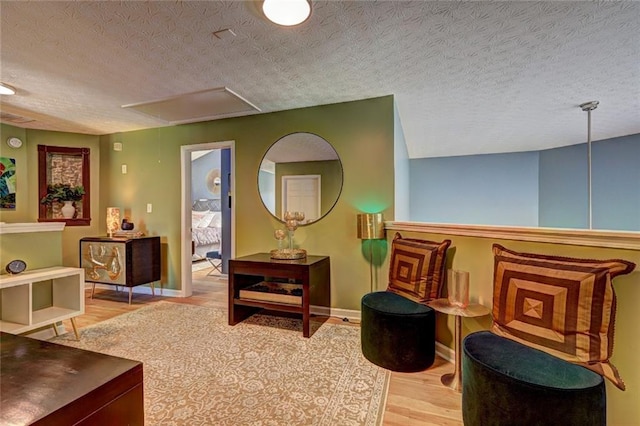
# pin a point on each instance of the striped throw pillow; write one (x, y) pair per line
(417, 268)
(563, 306)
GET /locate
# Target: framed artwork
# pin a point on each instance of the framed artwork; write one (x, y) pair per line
(64, 166)
(7, 183)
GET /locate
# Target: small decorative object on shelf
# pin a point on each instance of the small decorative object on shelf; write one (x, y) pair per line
(288, 254)
(279, 234)
(126, 225)
(16, 266)
(292, 219)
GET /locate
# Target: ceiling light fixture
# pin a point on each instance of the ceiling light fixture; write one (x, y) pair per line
(5, 89)
(287, 12)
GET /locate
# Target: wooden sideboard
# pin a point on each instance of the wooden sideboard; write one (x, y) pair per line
(45, 383)
(311, 274)
(127, 262)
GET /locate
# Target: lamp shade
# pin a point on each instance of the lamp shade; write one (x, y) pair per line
(113, 220)
(370, 226)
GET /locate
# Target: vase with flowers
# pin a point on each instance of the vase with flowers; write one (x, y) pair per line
(65, 194)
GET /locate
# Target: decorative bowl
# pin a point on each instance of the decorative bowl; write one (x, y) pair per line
(288, 254)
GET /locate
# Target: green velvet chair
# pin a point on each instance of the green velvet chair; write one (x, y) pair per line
(397, 333)
(507, 383)
(398, 329)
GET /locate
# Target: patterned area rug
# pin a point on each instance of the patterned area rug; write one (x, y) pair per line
(200, 371)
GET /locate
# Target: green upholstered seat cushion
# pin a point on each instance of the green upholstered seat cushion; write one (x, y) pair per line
(527, 364)
(396, 333)
(392, 303)
(507, 383)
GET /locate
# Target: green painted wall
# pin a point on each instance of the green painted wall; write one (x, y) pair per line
(330, 180)
(474, 255)
(361, 132)
(43, 249)
(27, 201)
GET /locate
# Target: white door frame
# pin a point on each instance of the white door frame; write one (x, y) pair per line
(185, 221)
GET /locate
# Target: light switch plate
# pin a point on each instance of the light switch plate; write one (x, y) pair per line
(124, 169)
(149, 208)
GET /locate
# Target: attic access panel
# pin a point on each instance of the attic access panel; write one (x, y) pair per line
(196, 106)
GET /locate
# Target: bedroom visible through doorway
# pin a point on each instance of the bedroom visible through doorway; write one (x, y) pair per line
(206, 207)
(207, 211)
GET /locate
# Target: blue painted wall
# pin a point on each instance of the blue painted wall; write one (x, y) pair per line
(615, 182)
(564, 187)
(402, 196)
(547, 188)
(496, 189)
(199, 169)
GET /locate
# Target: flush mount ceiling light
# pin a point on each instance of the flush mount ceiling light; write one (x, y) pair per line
(5, 89)
(287, 12)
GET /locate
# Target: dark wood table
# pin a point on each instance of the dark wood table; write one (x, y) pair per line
(43, 383)
(312, 273)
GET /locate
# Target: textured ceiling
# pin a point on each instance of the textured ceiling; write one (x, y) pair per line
(468, 77)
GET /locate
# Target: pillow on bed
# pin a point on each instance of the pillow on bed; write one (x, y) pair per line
(215, 220)
(560, 305)
(197, 217)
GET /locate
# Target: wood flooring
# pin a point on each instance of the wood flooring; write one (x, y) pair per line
(413, 398)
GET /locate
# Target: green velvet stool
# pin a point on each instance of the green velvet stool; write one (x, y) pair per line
(507, 383)
(397, 333)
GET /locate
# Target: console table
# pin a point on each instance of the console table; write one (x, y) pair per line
(311, 275)
(126, 262)
(45, 383)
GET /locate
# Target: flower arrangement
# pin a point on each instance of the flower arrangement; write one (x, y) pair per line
(59, 192)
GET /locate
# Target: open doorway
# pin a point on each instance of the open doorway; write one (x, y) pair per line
(207, 209)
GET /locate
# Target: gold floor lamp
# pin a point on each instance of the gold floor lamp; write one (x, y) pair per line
(370, 227)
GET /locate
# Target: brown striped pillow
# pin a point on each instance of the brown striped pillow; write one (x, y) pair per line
(563, 306)
(417, 268)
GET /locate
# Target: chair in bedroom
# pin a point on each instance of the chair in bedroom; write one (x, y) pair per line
(215, 259)
(397, 327)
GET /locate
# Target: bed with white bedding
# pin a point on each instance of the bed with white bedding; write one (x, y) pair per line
(206, 227)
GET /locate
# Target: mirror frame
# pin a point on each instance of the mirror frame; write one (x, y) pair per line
(323, 214)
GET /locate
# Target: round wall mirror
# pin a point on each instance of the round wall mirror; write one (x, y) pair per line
(300, 172)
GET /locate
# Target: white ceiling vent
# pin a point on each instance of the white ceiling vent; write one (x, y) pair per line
(197, 106)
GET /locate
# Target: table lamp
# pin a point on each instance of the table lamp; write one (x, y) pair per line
(113, 220)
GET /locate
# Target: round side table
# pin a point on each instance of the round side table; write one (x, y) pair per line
(454, 380)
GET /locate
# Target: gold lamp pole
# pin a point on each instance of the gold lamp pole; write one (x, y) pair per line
(370, 227)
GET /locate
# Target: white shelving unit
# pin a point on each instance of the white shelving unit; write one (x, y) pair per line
(17, 314)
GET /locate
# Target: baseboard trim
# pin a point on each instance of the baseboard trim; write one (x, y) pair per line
(445, 352)
(348, 314)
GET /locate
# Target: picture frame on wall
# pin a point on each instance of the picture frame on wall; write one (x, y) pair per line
(7, 183)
